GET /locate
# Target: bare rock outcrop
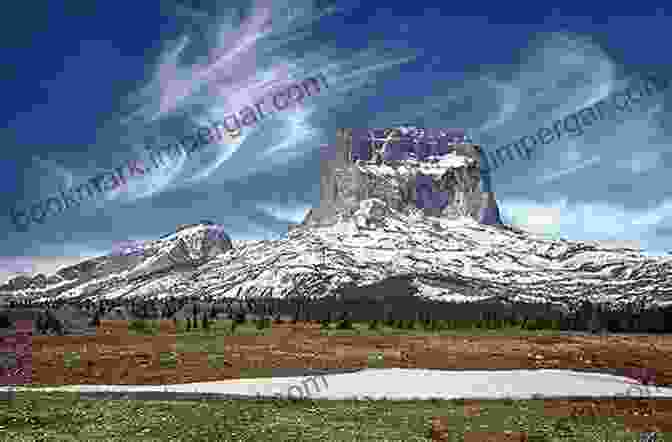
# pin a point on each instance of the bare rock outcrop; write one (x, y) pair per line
(444, 186)
(20, 282)
(40, 281)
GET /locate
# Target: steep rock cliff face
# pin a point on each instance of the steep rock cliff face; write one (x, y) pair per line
(445, 186)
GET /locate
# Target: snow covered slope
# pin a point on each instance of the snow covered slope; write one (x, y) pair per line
(447, 259)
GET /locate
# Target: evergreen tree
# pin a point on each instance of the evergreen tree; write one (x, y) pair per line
(96, 319)
(240, 318)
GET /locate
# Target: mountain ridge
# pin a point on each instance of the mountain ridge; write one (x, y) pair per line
(368, 237)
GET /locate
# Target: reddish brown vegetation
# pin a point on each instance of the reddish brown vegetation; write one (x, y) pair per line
(115, 356)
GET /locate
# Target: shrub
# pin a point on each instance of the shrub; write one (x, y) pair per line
(344, 324)
(374, 325)
(4, 321)
(139, 325)
(96, 319)
(239, 318)
(53, 323)
(533, 324)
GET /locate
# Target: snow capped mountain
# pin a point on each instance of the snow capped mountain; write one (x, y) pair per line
(453, 260)
(374, 234)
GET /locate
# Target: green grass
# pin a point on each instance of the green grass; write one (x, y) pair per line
(211, 342)
(168, 359)
(71, 359)
(249, 328)
(375, 360)
(217, 328)
(62, 417)
(363, 329)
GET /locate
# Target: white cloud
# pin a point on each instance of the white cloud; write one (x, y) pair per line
(598, 221)
(293, 214)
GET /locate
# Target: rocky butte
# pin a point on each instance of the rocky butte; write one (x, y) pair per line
(421, 223)
(407, 177)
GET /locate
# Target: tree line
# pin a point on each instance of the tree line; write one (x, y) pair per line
(585, 316)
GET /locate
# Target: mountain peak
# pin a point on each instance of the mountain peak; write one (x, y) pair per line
(425, 225)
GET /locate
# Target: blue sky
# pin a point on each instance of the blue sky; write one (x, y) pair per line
(89, 85)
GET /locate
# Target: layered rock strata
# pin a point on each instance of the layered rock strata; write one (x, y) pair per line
(445, 184)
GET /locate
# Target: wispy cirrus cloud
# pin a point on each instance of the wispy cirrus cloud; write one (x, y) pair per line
(552, 176)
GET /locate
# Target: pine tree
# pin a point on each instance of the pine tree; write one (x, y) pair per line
(96, 319)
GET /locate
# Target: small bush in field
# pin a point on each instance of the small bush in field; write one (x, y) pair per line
(139, 325)
(263, 323)
(373, 325)
(345, 324)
